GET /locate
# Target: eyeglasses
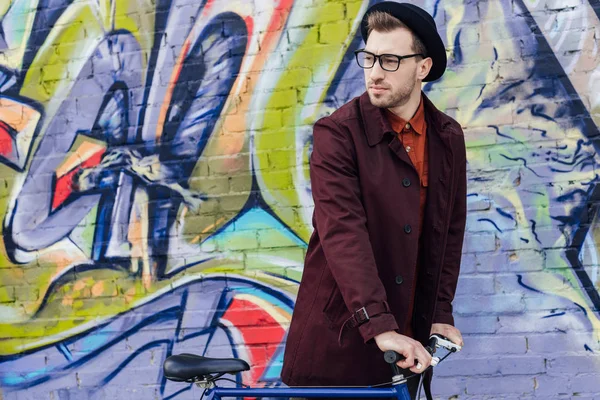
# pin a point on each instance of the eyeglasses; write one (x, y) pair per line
(388, 62)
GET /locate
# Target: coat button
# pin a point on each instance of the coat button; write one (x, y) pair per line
(399, 280)
(406, 182)
(407, 228)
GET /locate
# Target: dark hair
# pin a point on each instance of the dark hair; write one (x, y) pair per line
(383, 22)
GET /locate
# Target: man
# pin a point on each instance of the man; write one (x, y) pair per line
(388, 175)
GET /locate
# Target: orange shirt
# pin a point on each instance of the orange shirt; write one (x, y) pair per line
(412, 135)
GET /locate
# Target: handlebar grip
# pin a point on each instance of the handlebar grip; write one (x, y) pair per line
(391, 357)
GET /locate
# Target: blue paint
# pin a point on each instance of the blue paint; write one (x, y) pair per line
(520, 281)
(587, 348)
(273, 371)
(504, 213)
(267, 297)
(554, 315)
(533, 231)
(123, 365)
(581, 308)
(524, 161)
(65, 351)
(458, 57)
(502, 134)
(534, 192)
(435, 8)
(537, 110)
(491, 222)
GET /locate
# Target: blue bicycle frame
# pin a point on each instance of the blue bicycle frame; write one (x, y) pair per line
(398, 391)
(206, 371)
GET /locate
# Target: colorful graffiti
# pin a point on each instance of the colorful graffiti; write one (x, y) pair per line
(154, 179)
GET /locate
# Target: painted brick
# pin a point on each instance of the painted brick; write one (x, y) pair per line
(496, 385)
(571, 342)
(493, 304)
(495, 366)
(529, 329)
(567, 364)
(474, 285)
(586, 383)
(469, 324)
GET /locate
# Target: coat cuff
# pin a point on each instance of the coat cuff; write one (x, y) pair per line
(443, 313)
(378, 324)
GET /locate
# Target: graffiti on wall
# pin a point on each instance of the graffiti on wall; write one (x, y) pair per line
(154, 180)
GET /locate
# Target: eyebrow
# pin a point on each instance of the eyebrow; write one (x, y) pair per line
(391, 52)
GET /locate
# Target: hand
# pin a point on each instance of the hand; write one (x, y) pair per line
(413, 351)
(449, 331)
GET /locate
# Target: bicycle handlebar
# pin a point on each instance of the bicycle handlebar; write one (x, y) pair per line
(435, 341)
(391, 357)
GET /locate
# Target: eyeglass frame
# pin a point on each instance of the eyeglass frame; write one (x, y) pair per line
(378, 58)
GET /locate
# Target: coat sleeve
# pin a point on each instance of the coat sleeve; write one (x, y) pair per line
(340, 222)
(454, 243)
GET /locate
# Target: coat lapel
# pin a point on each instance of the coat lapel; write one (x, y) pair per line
(378, 128)
(440, 159)
(399, 151)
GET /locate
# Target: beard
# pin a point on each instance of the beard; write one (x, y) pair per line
(392, 98)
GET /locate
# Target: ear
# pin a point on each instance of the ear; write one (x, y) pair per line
(424, 68)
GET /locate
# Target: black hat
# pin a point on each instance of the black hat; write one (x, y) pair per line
(422, 24)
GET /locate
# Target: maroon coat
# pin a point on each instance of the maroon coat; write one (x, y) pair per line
(365, 244)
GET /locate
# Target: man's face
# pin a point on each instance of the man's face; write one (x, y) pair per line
(391, 89)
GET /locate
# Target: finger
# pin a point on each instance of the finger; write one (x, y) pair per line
(418, 367)
(423, 357)
(455, 337)
(408, 362)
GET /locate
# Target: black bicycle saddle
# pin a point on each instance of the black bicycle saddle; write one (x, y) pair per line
(186, 367)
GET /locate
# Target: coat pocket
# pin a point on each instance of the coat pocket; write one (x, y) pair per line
(335, 310)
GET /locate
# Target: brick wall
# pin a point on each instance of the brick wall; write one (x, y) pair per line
(155, 196)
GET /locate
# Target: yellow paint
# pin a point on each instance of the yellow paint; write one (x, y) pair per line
(82, 150)
(67, 47)
(324, 60)
(98, 289)
(4, 6)
(16, 114)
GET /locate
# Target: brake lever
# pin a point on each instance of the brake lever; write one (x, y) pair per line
(442, 341)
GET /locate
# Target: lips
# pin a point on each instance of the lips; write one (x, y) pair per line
(377, 89)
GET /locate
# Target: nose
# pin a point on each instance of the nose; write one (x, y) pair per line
(376, 73)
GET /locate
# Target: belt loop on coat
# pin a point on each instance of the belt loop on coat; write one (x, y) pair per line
(363, 315)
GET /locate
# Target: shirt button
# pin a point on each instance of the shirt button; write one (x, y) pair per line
(406, 182)
(399, 279)
(407, 126)
(408, 149)
(407, 228)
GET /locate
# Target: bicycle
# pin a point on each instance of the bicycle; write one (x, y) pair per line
(205, 372)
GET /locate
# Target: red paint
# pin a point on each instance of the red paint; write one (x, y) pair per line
(207, 7)
(6, 139)
(280, 15)
(261, 333)
(249, 26)
(64, 184)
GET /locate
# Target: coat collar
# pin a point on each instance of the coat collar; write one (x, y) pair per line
(377, 124)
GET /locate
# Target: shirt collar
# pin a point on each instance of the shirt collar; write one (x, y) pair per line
(417, 121)
(376, 125)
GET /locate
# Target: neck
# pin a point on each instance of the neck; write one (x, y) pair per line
(407, 110)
